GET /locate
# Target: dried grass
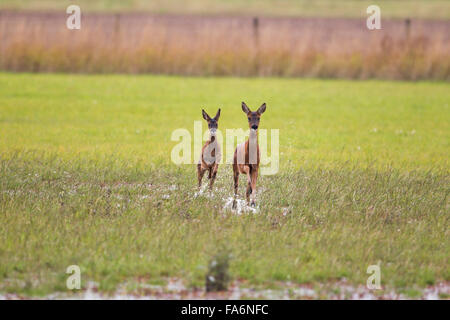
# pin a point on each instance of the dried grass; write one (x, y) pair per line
(225, 45)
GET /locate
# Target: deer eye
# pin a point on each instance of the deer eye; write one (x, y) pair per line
(248, 119)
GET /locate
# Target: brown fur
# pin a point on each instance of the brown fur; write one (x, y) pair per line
(203, 166)
(215, 155)
(248, 168)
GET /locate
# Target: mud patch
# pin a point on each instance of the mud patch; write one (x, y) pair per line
(176, 289)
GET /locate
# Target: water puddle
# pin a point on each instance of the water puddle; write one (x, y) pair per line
(241, 206)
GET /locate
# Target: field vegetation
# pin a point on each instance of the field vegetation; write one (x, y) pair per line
(431, 9)
(86, 179)
(225, 46)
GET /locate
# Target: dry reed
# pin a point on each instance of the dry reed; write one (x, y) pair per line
(225, 45)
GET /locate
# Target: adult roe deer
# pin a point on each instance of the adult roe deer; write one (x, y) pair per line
(211, 154)
(246, 156)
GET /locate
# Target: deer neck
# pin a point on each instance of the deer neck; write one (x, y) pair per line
(253, 137)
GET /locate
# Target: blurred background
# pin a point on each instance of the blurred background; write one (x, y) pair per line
(286, 38)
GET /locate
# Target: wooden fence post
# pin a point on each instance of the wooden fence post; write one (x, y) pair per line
(1, 35)
(407, 28)
(116, 28)
(256, 43)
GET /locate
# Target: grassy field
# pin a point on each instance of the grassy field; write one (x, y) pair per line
(343, 8)
(86, 179)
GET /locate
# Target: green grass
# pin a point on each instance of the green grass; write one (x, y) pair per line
(86, 179)
(326, 123)
(343, 8)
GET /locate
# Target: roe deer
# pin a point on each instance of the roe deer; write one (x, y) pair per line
(211, 155)
(246, 156)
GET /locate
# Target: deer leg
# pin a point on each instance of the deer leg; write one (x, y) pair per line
(254, 177)
(236, 183)
(249, 186)
(213, 177)
(248, 192)
(209, 172)
(200, 173)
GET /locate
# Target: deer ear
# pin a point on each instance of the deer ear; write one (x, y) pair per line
(245, 108)
(205, 115)
(262, 108)
(217, 115)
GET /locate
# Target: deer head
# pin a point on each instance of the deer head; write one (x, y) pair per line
(253, 117)
(212, 122)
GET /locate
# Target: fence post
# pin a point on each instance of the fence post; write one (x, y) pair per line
(116, 28)
(1, 37)
(256, 42)
(407, 27)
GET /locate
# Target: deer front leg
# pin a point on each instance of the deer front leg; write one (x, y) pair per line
(254, 177)
(213, 176)
(209, 172)
(236, 183)
(246, 170)
(200, 173)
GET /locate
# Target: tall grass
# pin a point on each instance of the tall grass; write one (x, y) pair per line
(228, 46)
(119, 223)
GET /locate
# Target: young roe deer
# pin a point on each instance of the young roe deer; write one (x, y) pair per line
(211, 154)
(246, 156)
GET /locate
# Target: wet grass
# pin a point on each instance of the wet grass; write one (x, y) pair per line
(118, 224)
(85, 179)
